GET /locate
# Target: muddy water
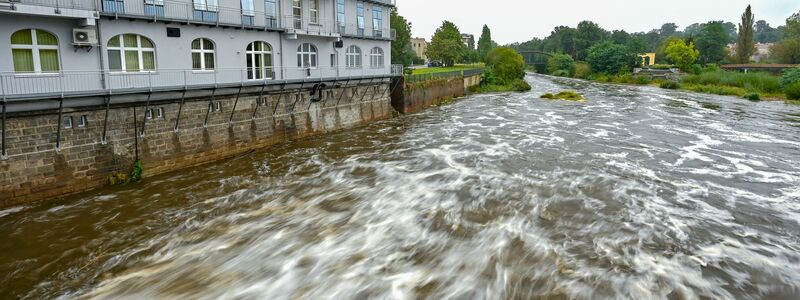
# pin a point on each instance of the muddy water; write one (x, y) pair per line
(638, 193)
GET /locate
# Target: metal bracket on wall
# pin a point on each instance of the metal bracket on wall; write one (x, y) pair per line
(296, 98)
(144, 116)
(235, 103)
(365, 92)
(180, 108)
(210, 107)
(4, 152)
(258, 101)
(344, 89)
(105, 121)
(388, 86)
(333, 87)
(274, 110)
(395, 87)
(58, 125)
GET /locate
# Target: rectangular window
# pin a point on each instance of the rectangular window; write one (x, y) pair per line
(160, 113)
(314, 10)
(271, 9)
(377, 21)
(333, 60)
(360, 18)
(68, 122)
(297, 13)
(82, 121)
(149, 114)
(340, 16)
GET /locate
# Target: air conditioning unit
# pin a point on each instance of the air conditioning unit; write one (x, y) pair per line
(338, 43)
(84, 37)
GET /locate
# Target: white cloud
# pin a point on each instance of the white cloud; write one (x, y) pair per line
(521, 20)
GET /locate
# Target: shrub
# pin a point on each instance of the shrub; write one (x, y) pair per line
(793, 91)
(642, 80)
(661, 67)
(506, 65)
(565, 95)
(790, 76)
(670, 85)
(520, 85)
(561, 64)
(582, 70)
(716, 89)
(607, 57)
(752, 96)
(711, 68)
(756, 82)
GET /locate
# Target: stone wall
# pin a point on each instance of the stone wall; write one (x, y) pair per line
(417, 96)
(36, 171)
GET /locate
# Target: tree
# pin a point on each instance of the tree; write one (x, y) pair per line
(562, 39)
(745, 45)
(765, 33)
(712, 42)
(588, 34)
(620, 37)
(402, 53)
(505, 65)
(485, 43)
(446, 45)
(682, 54)
(637, 44)
(668, 30)
(787, 51)
(609, 58)
(561, 65)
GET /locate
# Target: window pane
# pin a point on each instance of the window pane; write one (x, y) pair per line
(299, 60)
(45, 38)
(131, 61)
(22, 37)
(196, 61)
(149, 59)
(209, 61)
(146, 43)
(196, 44)
(23, 60)
(129, 40)
(49, 60)
(249, 66)
(114, 62)
(114, 42)
(208, 45)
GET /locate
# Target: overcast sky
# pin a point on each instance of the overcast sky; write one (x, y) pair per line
(521, 20)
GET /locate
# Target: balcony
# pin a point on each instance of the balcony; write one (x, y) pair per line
(310, 26)
(384, 2)
(61, 8)
(84, 83)
(190, 13)
(353, 30)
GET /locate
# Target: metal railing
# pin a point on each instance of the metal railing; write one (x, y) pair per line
(14, 85)
(308, 25)
(443, 75)
(352, 29)
(68, 4)
(167, 10)
(385, 2)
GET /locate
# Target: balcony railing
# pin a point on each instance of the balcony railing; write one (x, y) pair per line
(14, 85)
(189, 12)
(311, 26)
(352, 29)
(66, 4)
(385, 2)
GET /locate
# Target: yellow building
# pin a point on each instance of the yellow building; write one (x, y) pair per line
(420, 45)
(648, 59)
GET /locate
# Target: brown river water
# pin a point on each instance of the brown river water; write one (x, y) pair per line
(638, 193)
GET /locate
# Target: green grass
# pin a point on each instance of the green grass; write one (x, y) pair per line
(762, 83)
(445, 69)
(565, 95)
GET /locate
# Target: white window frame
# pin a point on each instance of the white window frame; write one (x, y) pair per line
(377, 18)
(360, 11)
(313, 8)
(297, 19)
(205, 5)
(248, 11)
(376, 58)
(160, 113)
(68, 122)
(265, 70)
(353, 57)
(307, 51)
(35, 47)
(83, 120)
(203, 51)
(139, 51)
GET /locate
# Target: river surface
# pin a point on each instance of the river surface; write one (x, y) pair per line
(638, 193)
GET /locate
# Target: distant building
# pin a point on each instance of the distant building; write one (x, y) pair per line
(760, 56)
(648, 59)
(420, 45)
(469, 40)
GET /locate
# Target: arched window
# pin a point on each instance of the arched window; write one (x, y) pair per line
(307, 56)
(353, 57)
(202, 54)
(259, 60)
(34, 51)
(376, 57)
(131, 53)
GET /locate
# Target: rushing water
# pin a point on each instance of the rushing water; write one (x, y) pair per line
(638, 193)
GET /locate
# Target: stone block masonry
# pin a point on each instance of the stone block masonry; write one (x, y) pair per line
(36, 171)
(417, 96)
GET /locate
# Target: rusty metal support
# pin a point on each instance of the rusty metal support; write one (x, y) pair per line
(210, 107)
(180, 109)
(58, 125)
(365, 92)
(258, 101)
(105, 121)
(144, 116)
(235, 103)
(344, 89)
(274, 110)
(4, 152)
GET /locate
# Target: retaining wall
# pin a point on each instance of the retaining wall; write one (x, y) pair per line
(414, 97)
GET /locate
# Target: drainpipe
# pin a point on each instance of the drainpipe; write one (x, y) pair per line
(103, 79)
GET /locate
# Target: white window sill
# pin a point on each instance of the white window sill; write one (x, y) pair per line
(24, 75)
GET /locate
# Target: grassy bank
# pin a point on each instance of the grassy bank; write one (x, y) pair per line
(445, 69)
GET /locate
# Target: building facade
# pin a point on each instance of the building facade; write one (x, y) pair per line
(62, 48)
(469, 40)
(420, 45)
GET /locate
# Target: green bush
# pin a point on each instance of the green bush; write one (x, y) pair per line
(793, 91)
(582, 70)
(607, 57)
(565, 95)
(670, 85)
(755, 82)
(641, 80)
(790, 76)
(752, 96)
(711, 68)
(506, 64)
(716, 89)
(661, 67)
(561, 64)
(520, 85)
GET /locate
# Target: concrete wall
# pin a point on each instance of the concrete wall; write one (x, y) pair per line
(36, 171)
(414, 97)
